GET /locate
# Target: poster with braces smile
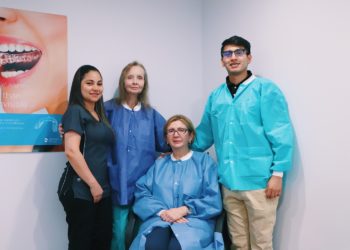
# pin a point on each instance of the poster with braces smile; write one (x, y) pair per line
(33, 80)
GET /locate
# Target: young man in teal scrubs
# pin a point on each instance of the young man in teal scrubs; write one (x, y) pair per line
(247, 120)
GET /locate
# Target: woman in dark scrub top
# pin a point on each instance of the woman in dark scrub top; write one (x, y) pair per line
(84, 189)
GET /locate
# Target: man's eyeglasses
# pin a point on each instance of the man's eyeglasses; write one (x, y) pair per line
(237, 52)
(180, 131)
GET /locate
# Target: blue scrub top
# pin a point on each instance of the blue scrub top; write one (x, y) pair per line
(139, 136)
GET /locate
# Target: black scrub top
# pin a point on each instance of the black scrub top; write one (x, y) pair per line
(98, 139)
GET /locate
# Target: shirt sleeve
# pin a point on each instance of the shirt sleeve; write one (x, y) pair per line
(146, 205)
(277, 126)
(204, 134)
(72, 120)
(208, 204)
(159, 123)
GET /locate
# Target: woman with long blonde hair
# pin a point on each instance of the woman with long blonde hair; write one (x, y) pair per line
(139, 136)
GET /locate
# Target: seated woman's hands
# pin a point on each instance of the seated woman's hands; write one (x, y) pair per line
(175, 215)
(181, 220)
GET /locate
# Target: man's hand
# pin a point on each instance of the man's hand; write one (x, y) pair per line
(274, 187)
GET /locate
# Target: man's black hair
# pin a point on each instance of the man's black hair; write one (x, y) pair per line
(237, 41)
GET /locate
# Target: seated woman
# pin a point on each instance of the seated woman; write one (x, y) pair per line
(179, 197)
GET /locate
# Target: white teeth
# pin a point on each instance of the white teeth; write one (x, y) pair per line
(8, 74)
(16, 47)
(12, 47)
(4, 48)
(27, 48)
(19, 48)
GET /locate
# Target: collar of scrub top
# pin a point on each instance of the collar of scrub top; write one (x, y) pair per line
(233, 87)
(136, 108)
(245, 79)
(183, 158)
(248, 80)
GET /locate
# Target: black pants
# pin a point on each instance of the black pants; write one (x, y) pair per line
(162, 238)
(89, 224)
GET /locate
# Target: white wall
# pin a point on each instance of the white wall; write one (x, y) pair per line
(304, 47)
(164, 35)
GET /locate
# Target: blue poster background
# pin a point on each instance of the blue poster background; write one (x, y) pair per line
(29, 129)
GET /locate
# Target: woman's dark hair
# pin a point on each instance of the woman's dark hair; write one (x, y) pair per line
(75, 96)
(122, 94)
(237, 41)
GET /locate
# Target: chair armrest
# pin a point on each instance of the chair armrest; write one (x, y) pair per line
(130, 229)
(220, 222)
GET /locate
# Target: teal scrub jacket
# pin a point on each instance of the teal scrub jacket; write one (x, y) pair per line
(252, 133)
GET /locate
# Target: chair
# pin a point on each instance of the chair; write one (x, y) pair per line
(132, 228)
(221, 227)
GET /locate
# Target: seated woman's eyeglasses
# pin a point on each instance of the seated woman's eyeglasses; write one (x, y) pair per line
(180, 131)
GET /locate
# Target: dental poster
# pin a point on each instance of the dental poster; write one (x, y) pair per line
(33, 80)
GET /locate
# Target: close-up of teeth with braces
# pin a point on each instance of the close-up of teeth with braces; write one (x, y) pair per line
(16, 59)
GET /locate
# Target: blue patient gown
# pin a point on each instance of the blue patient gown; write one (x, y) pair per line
(169, 183)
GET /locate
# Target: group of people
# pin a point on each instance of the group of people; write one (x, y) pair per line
(113, 167)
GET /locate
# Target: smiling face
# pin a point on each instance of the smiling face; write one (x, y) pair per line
(134, 80)
(236, 65)
(91, 88)
(33, 61)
